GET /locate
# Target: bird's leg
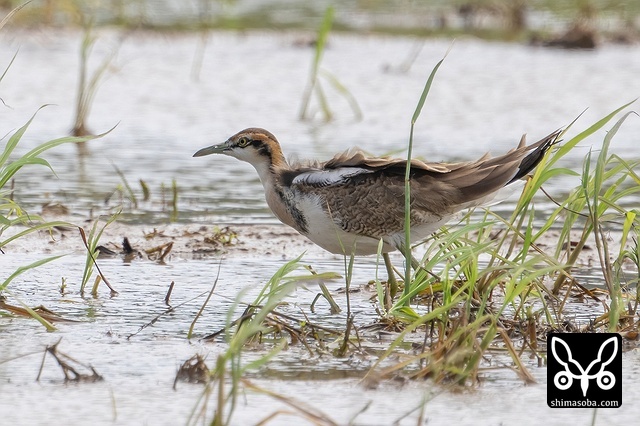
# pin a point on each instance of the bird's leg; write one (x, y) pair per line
(391, 280)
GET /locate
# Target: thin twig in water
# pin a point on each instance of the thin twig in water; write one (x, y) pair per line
(245, 316)
(213, 287)
(165, 312)
(554, 201)
(70, 372)
(13, 358)
(314, 416)
(168, 296)
(93, 259)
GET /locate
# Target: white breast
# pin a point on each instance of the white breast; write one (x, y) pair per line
(322, 230)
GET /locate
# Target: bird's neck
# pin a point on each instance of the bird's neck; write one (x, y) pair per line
(278, 195)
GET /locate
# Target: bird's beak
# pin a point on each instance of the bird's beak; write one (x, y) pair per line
(214, 149)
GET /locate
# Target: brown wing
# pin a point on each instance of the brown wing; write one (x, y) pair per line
(366, 195)
(473, 180)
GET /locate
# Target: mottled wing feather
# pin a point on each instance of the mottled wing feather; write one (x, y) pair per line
(366, 195)
(372, 204)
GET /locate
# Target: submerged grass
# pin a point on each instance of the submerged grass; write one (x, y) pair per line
(125, 190)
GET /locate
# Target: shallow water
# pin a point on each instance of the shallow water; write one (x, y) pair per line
(485, 96)
(139, 366)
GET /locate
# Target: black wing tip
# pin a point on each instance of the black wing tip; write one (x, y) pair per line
(533, 159)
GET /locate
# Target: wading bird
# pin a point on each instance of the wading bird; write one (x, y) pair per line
(348, 204)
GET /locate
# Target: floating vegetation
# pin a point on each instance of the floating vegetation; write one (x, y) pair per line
(41, 312)
(223, 237)
(193, 370)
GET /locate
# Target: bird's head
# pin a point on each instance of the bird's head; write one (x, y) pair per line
(255, 146)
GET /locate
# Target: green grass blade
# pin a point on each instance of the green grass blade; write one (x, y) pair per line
(26, 268)
(92, 246)
(12, 168)
(568, 146)
(8, 66)
(407, 178)
(14, 139)
(46, 225)
(125, 182)
(64, 140)
(425, 92)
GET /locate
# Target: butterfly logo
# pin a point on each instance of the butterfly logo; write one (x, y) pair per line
(564, 379)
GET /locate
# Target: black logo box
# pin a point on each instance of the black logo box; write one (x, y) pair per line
(584, 370)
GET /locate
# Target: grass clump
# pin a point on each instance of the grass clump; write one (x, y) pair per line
(488, 284)
(12, 216)
(256, 324)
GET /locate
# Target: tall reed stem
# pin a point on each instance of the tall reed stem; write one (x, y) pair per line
(407, 184)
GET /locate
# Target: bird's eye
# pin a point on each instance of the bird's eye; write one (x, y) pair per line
(243, 141)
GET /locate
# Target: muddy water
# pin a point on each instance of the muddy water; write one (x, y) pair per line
(484, 97)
